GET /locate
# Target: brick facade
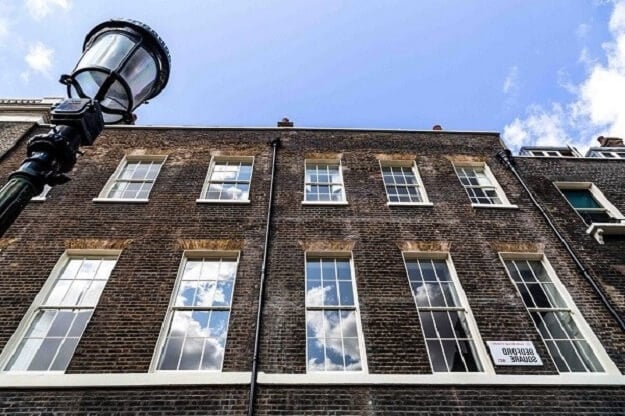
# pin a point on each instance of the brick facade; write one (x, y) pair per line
(606, 262)
(125, 326)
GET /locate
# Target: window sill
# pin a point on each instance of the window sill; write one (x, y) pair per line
(495, 206)
(56, 379)
(37, 199)
(599, 229)
(121, 200)
(442, 378)
(325, 203)
(222, 201)
(409, 204)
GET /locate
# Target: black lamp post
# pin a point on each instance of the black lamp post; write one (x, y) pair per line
(123, 64)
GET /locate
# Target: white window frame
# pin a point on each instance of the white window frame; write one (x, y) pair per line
(361, 338)
(482, 353)
(103, 196)
(588, 334)
(218, 159)
(546, 153)
(162, 339)
(596, 229)
(602, 154)
(43, 195)
(419, 185)
(505, 203)
(334, 162)
(38, 302)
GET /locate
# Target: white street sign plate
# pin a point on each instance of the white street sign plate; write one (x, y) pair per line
(514, 353)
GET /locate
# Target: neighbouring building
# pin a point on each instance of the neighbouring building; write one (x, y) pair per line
(396, 272)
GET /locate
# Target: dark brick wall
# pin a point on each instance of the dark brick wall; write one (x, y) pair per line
(439, 401)
(125, 326)
(10, 134)
(188, 400)
(605, 262)
(393, 338)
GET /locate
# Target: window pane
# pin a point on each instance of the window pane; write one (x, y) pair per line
(323, 183)
(453, 356)
(60, 325)
(45, 354)
(171, 354)
(313, 269)
(213, 354)
(57, 330)
(556, 326)
(191, 354)
(330, 295)
(427, 324)
(135, 180)
(348, 324)
(332, 330)
(437, 358)
(65, 353)
(346, 293)
(196, 338)
(445, 329)
(581, 198)
(314, 293)
(316, 356)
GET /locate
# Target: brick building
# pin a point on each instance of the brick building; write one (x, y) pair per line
(395, 273)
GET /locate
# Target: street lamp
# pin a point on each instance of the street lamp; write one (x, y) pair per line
(124, 63)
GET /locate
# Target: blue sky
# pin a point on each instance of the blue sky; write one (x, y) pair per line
(540, 72)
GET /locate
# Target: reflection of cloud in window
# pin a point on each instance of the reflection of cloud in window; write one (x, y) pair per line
(315, 295)
(224, 175)
(200, 337)
(421, 295)
(340, 336)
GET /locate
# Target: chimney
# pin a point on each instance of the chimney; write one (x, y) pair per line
(437, 127)
(285, 122)
(610, 141)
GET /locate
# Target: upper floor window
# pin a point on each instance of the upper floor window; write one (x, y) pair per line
(561, 326)
(589, 202)
(197, 320)
(608, 154)
(333, 331)
(481, 185)
(543, 151)
(50, 331)
(450, 332)
(402, 183)
(551, 153)
(228, 180)
(133, 179)
(324, 182)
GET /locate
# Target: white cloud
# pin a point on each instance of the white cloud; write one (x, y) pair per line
(39, 9)
(540, 127)
(596, 108)
(511, 83)
(39, 58)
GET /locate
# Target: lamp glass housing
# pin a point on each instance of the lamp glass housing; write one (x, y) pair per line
(124, 63)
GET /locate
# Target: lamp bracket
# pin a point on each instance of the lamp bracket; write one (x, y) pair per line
(82, 114)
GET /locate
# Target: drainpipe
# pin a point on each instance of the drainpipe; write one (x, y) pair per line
(505, 157)
(275, 143)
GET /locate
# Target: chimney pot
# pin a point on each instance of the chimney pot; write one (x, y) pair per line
(285, 122)
(610, 141)
(437, 127)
